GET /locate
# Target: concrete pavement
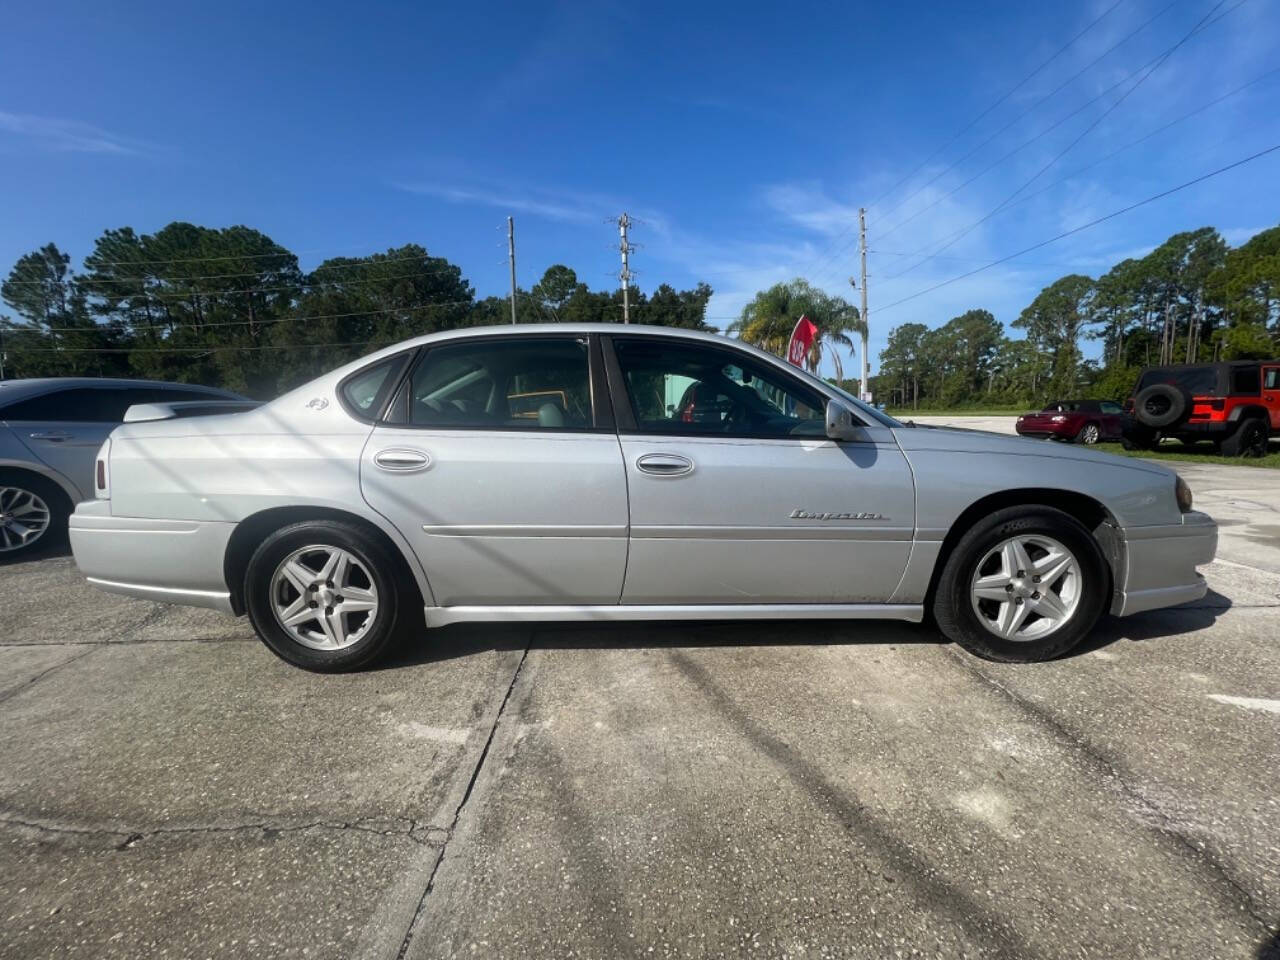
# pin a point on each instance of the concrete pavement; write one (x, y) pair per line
(168, 788)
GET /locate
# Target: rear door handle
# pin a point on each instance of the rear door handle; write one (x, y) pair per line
(402, 460)
(664, 464)
(57, 436)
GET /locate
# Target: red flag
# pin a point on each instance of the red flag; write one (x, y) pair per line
(801, 340)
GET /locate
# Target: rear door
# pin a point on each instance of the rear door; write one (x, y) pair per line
(737, 495)
(498, 461)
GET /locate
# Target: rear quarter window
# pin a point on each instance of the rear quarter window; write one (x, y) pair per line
(1246, 380)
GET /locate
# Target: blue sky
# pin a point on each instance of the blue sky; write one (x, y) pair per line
(743, 136)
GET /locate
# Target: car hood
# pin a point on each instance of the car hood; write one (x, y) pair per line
(965, 440)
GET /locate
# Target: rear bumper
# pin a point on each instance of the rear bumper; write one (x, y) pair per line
(1160, 564)
(168, 561)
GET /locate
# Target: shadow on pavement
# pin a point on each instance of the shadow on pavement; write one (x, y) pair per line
(462, 640)
(56, 547)
(1270, 948)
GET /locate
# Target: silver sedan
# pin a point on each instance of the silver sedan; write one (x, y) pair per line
(602, 472)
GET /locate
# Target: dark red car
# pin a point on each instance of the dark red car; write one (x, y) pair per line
(1080, 421)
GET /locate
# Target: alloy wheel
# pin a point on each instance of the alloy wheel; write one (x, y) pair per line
(24, 518)
(324, 597)
(1090, 434)
(1026, 588)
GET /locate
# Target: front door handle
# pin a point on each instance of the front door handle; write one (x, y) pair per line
(664, 464)
(402, 460)
(57, 436)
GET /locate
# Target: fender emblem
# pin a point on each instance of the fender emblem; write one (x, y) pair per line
(798, 514)
(317, 403)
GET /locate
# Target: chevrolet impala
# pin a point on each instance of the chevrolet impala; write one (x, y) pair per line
(606, 472)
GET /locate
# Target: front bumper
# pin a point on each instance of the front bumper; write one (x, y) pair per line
(1160, 564)
(168, 561)
(1060, 430)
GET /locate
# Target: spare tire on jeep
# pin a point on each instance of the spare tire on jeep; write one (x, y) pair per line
(1162, 405)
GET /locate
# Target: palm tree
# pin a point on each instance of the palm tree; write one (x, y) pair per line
(767, 321)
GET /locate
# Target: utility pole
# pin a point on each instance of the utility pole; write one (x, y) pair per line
(511, 256)
(863, 384)
(624, 222)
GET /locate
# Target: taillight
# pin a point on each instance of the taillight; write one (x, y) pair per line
(102, 476)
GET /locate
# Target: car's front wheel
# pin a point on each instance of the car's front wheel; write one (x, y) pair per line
(324, 595)
(1022, 585)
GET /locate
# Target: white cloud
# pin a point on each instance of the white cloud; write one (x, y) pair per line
(66, 136)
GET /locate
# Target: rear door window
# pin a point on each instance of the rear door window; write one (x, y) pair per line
(525, 383)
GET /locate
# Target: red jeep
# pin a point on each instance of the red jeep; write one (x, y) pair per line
(1235, 404)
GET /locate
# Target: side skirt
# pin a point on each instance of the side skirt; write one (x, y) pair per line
(441, 616)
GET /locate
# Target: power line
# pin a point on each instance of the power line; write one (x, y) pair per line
(1010, 92)
(319, 270)
(1039, 103)
(823, 257)
(1155, 65)
(241, 323)
(1086, 226)
(1094, 163)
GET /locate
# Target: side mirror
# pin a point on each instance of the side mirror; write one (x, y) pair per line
(841, 424)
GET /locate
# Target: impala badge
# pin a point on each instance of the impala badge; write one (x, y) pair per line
(798, 514)
(317, 403)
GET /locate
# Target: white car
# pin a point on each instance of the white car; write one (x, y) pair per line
(605, 472)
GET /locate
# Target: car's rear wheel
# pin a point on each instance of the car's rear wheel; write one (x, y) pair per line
(1249, 440)
(33, 513)
(1024, 584)
(324, 595)
(1090, 433)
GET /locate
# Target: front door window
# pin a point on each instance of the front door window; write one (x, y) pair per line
(688, 389)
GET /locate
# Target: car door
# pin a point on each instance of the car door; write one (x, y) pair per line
(1112, 419)
(65, 428)
(1271, 394)
(736, 493)
(499, 462)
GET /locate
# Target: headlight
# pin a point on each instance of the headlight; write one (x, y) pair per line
(1183, 493)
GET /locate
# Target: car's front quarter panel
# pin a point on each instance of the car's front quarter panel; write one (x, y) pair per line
(1157, 547)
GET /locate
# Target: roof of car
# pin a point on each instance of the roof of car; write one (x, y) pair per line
(35, 386)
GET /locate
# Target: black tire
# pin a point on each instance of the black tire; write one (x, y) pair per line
(1090, 433)
(1161, 405)
(384, 570)
(953, 610)
(1249, 440)
(59, 504)
(1139, 438)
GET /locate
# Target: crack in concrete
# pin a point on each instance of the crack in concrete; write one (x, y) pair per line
(125, 643)
(457, 814)
(1112, 777)
(414, 830)
(40, 676)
